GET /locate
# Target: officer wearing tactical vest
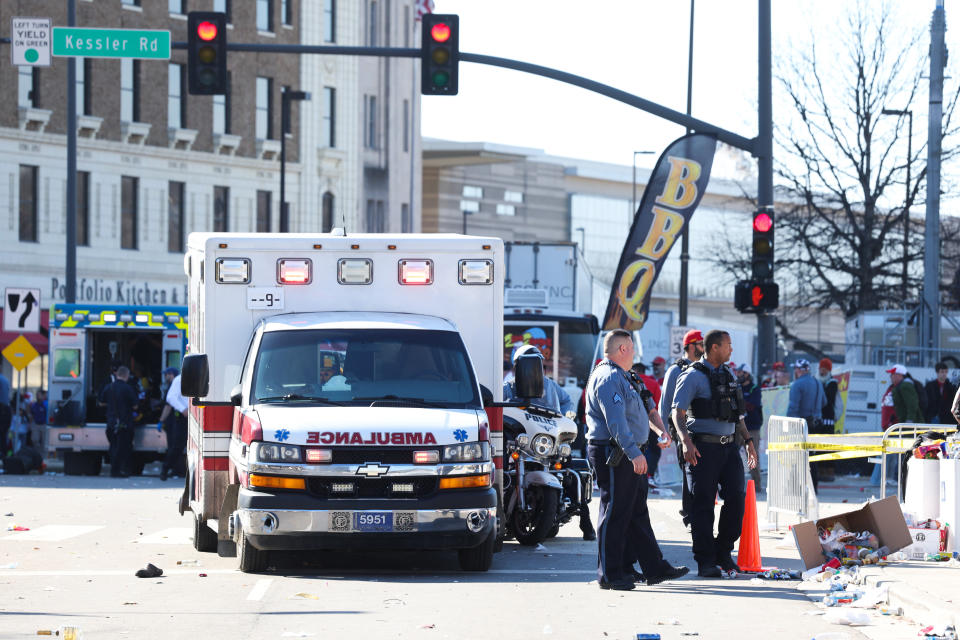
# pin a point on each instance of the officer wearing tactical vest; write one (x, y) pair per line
(692, 351)
(618, 423)
(708, 410)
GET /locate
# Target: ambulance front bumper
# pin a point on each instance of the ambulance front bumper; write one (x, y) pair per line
(466, 521)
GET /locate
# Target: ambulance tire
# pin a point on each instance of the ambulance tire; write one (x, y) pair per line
(478, 558)
(204, 538)
(252, 560)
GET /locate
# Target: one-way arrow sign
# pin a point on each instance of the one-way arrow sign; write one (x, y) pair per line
(21, 310)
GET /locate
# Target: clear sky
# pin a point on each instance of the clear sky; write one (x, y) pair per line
(639, 46)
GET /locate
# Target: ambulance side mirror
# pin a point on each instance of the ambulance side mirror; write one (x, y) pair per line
(528, 376)
(486, 396)
(236, 395)
(195, 376)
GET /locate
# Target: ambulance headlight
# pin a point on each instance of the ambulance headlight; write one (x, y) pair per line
(233, 270)
(416, 272)
(476, 271)
(355, 271)
(294, 271)
(269, 452)
(467, 452)
(542, 445)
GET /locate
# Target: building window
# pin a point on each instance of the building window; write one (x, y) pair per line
(407, 31)
(29, 210)
(375, 221)
(221, 110)
(129, 90)
(128, 212)
(175, 193)
(469, 206)
(506, 210)
(264, 15)
(328, 127)
(372, 24)
(28, 85)
(329, 20)
(224, 6)
(406, 126)
(472, 192)
(83, 208)
(286, 12)
(178, 7)
(370, 118)
(84, 106)
(263, 211)
(176, 97)
(264, 118)
(327, 221)
(131, 3)
(513, 196)
(221, 209)
(406, 224)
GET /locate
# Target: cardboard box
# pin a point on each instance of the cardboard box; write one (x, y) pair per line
(883, 517)
(925, 541)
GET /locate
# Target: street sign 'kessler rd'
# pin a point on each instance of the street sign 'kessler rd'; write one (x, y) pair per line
(84, 42)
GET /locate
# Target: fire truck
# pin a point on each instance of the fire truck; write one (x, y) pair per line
(86, 343)
(344, 393)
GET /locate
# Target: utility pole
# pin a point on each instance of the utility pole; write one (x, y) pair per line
(931, 253)
(285, 97)
(70, 296)
(685, 234)
(766, 326)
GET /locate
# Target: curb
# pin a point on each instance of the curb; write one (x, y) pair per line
(918, 605)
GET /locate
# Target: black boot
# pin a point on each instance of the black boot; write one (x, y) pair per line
(589, 533)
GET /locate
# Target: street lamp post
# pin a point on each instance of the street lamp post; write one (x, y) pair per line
(285, 97)
(633, 200)
(906, 199)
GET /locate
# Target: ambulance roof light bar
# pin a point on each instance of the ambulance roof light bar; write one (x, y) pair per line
(416, 272)
(355, 271)
(294, 271)
(233, 270)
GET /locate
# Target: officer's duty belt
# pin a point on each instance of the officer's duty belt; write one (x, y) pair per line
(713, 439)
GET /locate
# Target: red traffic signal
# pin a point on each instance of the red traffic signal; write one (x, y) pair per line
(762, 222)
(751, 296)
(206, 31)
(762, 259)
(440, 32)
(439, 55)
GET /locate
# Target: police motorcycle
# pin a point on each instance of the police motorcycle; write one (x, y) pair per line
(543, 485)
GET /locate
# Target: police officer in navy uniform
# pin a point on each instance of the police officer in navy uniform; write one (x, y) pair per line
(618, 422)
(708, 410)
(120, 399)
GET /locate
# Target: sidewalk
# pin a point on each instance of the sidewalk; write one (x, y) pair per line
(927, 592)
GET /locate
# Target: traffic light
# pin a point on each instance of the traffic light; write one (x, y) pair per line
(439, 54)
(751, 296)
(206, 53)
(762, 265)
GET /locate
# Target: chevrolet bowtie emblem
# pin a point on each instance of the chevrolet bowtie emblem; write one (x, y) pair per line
(372, 470)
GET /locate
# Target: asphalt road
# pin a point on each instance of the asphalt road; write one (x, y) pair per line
(89, 535)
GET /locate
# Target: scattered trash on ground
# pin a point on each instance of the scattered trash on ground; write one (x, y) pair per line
(67, 633)
(306, 596)
(150, 571)
(188, 563)
(16, 527)
(848, 616)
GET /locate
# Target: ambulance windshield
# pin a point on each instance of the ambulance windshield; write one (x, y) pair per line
(360, 367)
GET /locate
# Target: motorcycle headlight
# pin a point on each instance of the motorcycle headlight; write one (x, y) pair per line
(269, 452)
(466, 452)
(542, 445)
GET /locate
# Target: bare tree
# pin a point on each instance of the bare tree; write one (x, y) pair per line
(844, 237)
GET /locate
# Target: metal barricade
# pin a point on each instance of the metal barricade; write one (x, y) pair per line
(897, 446)
(788, 468)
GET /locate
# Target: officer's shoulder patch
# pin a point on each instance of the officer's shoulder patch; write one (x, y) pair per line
(617, 399)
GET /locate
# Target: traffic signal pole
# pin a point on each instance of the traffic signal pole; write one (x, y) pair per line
(766, 326)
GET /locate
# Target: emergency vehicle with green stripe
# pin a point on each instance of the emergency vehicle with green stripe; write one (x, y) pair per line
(86, 343)
(343, 393)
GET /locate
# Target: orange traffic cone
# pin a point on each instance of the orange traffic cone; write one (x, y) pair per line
(748, 553)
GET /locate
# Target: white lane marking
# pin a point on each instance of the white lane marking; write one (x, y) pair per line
(260, 589)
(177, 535)
(110, 572)
(53, 532)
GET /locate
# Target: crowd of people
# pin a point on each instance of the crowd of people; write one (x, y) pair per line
(21, 418)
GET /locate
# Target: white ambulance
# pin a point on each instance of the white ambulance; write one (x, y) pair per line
(343, 391)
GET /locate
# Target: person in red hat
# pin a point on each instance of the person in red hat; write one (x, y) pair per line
(692, 351)
(659, 369)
